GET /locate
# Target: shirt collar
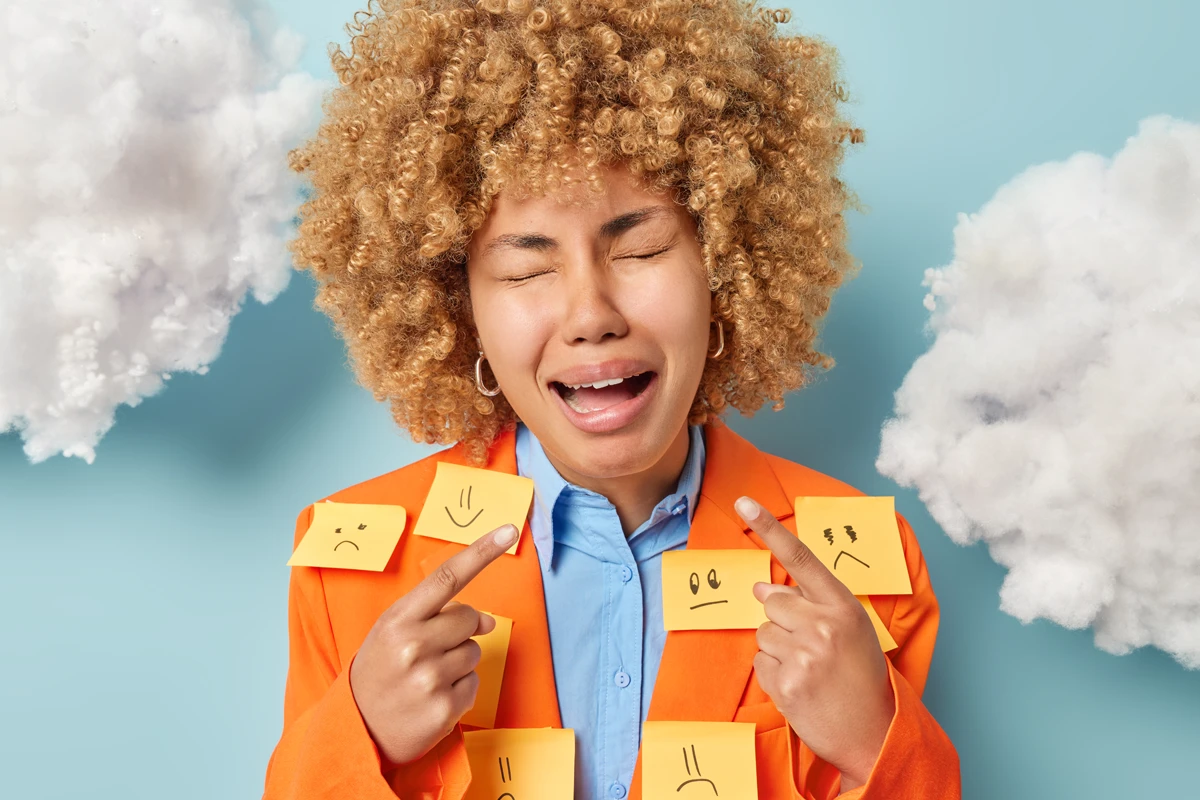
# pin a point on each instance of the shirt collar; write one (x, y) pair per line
(550, 486)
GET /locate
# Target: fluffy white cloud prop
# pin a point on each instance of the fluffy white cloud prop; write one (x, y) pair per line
(1056, 415)
(144, 191)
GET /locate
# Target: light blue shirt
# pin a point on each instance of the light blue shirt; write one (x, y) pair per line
(604, 608)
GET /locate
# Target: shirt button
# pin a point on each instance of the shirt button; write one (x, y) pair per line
(626, 574)
(621, 679)
(617, 790)
(679, 507)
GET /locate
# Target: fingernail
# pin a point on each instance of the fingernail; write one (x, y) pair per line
(506, 535)
(747, 508)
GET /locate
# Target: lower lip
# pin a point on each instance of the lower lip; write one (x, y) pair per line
(608, 419)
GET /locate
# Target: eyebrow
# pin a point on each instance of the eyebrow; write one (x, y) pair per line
(541, 243)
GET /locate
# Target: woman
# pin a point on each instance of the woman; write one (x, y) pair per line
(566, 238)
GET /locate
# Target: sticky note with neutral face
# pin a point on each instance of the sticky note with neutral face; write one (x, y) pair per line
(521, 764)
(858, 539)
(699, 760)
(713, 589)
(350, 536)
(886, 642)
(465, 503)
(491, 673)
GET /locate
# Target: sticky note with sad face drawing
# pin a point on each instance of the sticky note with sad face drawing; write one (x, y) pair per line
(350, 536)
(690, 760)
(465, 503)
(713, 589)
(521, 764)
(858, 539)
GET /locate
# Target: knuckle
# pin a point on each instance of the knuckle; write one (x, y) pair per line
(474, 653)
(427, 679)
(445, 578)
(408, 653)
(797, 554)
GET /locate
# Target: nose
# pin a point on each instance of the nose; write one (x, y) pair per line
(591, 312)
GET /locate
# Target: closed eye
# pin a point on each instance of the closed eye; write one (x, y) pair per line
(523, 278)
(649, 255)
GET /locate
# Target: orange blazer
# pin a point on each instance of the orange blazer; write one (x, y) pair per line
(326, 753)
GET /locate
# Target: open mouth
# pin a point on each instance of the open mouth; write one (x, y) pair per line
(598, 396)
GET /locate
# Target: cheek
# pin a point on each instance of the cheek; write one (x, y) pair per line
(512, 331)
(676, 310)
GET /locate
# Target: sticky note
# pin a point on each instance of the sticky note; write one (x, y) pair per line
(858, 539)
(713, 589)
(465, 503)
(886, 642)
(699, 760)
(350, 536)
(521, 764)
(491, 673)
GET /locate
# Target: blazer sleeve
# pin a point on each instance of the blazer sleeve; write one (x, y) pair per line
(325, 751)
(917, 761)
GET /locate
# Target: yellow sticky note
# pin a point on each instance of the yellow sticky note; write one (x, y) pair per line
(885, 637)
(491, 673)
(521, 764)
(713, 589)
(350, 536)
(858, 539)
(465, 503)
(699, 760)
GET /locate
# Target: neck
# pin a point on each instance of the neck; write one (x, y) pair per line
(635, 495)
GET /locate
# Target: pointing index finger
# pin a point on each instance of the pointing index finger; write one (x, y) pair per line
(429, 596)
(813, 578)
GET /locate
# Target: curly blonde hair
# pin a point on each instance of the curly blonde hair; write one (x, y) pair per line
(442, 103)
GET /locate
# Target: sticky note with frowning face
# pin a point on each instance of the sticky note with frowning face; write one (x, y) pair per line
(691, 760)
(886, 642)
(465, 503)
(521, 764)
(494, 647)
(350, 536)
(858, 539)
(713, 589)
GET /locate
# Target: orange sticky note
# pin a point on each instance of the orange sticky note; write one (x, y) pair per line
(465, 503)
(491, 673)
(713, 589)
(858, 539)
(886, 642)
(521, 764)
(699, 760)
(350, 536)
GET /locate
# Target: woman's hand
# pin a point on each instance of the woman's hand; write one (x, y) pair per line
(413, 678)
(819, 659)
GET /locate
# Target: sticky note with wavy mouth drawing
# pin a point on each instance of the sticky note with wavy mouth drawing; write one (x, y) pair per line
(713, 589)
(691, 760)
(494, 647)
(858, 539)
(886, 642)
(350, 536)
(521, 764)
(465, 503)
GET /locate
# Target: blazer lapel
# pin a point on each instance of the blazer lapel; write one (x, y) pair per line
(703, 674)
(511, 586)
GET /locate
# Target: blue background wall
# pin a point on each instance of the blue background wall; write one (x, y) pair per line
(143, 598)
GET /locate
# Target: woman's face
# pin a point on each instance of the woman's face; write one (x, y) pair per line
(595, 321)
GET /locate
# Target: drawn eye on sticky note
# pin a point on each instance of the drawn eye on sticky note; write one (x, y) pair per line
(691, 760)
(350, 536)
(713, 589)
(857, 539)
(521, 764)
(494, 647)
(465, 503)
(886, 642)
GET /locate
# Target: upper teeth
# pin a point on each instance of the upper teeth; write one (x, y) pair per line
(596, 385)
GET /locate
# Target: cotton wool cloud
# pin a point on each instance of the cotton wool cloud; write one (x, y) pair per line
(1056, 414)
(144, 193)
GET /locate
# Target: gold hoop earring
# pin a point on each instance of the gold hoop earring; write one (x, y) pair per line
(720, 342)
(479, 378)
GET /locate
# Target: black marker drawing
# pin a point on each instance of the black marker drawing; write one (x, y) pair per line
(345, 541)
(850, 532)
(694, 584)
(699, 777)
(467, 506)
(504, 763)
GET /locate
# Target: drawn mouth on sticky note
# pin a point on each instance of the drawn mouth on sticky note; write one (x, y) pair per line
(709, 603)
(851, 555)
(467, 505)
